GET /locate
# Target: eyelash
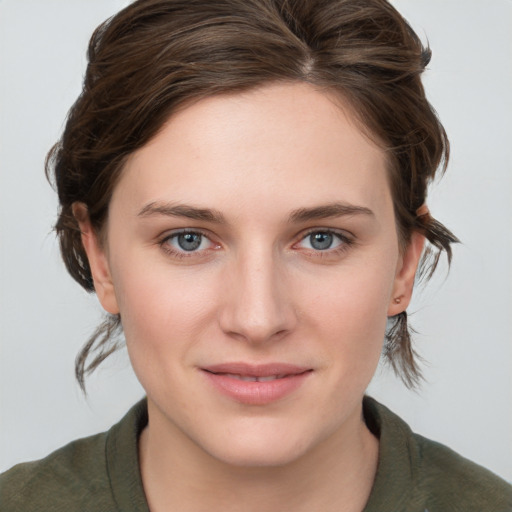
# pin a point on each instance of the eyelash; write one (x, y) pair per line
(346, 243)
(166, 247)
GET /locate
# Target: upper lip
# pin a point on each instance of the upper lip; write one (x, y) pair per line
(256, 370)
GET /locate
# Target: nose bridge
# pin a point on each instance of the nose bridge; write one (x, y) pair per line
(257, 306)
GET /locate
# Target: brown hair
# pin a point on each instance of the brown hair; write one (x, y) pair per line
(155, 55)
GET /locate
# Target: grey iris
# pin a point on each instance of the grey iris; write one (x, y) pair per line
(189, 241)
(321, 241)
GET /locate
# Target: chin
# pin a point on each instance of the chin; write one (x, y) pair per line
(266, 443)
(260, 455)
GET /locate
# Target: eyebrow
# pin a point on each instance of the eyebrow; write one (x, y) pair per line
(182, 210)
(331, 210)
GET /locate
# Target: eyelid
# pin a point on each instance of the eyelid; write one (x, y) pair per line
(181, 231)
(345, 238)
(169, 235)
(341, 233)
(346, 241)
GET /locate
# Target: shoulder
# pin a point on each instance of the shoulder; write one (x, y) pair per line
(99, 473)
(68, 476)
(450, 480)
(417, 474)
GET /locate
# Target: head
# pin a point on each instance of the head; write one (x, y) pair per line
(157, 59)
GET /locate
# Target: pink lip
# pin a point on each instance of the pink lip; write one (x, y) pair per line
(227, 378)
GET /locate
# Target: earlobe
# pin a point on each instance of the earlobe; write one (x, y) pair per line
(405, 274)
(98, 260)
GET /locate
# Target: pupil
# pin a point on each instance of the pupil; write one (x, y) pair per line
(321, 241)
(189, 241)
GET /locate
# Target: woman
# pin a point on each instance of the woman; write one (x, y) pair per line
(243, 185)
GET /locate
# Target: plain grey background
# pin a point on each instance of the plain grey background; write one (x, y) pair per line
(464, 320)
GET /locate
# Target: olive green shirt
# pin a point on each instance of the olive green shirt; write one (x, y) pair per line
(101, 473)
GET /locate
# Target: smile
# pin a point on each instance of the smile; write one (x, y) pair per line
(256, 384)
(252, 378)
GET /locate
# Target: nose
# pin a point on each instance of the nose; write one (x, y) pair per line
(257, 305)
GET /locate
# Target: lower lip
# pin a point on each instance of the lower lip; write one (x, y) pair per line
(256, 393)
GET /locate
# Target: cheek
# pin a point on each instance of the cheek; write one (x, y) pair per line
(350, 312)
(164, 317)
(357, 295)
(162, 308)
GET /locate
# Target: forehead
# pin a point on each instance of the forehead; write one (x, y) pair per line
(289, 143)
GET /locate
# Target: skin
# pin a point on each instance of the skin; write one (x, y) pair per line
(256, 290)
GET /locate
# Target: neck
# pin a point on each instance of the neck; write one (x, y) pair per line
(336, 475)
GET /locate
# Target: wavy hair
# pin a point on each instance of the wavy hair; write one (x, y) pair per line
(155, 55)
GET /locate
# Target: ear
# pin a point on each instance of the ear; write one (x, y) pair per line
(405, 274)
(98, 260)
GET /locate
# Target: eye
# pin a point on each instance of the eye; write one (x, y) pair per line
(323, 240)
(187, 242)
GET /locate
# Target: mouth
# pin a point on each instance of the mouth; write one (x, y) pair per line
(256, 384)
(253, 378)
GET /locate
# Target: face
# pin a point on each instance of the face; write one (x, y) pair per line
(252, 253)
